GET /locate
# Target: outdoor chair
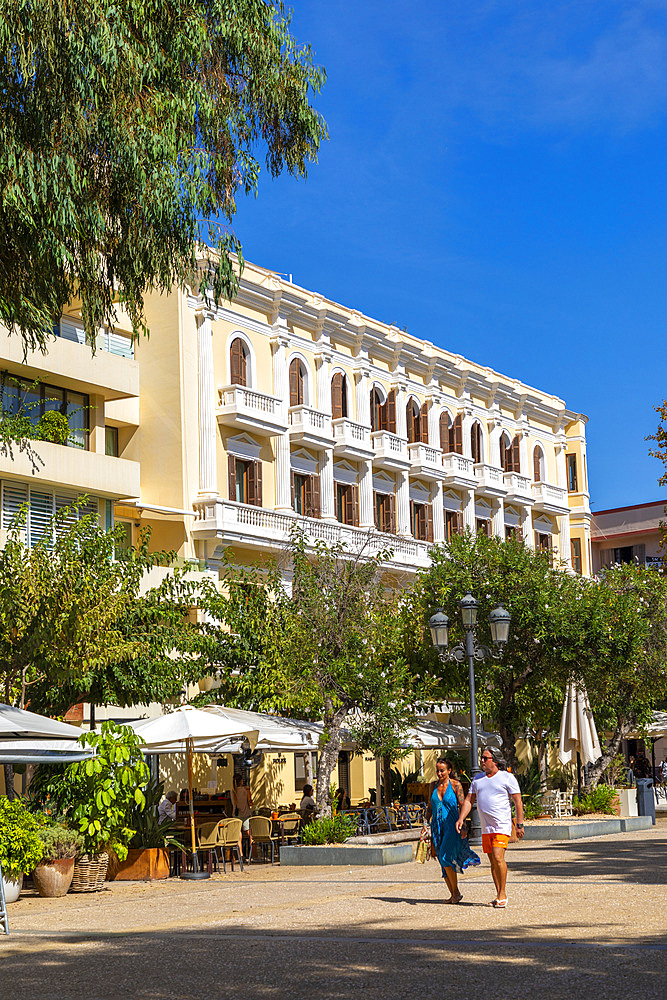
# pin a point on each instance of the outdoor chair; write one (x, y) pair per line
(415, 815)
(261, 831)
(290, 826)
(207, 842)
(392, 817)
(229, 834)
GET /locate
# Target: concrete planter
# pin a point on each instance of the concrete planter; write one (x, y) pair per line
(346, 854)
(12, 888)
(142, 864)
(53, 878)
(593, 828)
(627, 800)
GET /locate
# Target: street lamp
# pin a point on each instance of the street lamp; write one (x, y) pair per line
(470, 650)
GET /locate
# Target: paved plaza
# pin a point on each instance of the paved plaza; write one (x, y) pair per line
(585, 919)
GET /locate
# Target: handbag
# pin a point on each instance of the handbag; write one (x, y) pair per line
(424, 846)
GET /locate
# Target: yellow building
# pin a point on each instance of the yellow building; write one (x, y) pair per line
(229, 423)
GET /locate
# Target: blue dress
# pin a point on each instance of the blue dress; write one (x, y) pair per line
(450, 847)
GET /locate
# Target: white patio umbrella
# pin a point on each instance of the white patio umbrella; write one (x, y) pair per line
(578, 734)
(190, 730)
(275, 732)
(29, 738)
(429, 734)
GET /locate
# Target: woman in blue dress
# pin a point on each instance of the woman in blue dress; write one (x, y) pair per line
(450, 847)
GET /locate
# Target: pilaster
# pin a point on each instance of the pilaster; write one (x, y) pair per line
(366, 515)
(208, 433)
(403, 503)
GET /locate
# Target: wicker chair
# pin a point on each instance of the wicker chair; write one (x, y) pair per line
(207, 842)
(290, 826)
(261, 831)
(229, 834)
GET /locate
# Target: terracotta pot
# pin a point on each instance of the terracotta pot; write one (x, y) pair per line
(142, 864)
(53, 878)
(12, 888)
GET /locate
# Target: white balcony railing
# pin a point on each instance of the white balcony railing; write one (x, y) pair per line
(250, 408)
(426, 461)
(260, 526)
(458, 465)
(309, 424)
(390, 449)
(517, 485)
(549, 496)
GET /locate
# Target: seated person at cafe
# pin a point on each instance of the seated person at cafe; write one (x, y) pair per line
(307, 802)
(167, 808)
(342, 799)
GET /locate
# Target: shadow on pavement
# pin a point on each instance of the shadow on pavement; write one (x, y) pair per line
(635, 861)
(255, 963)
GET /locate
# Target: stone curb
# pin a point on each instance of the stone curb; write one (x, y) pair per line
(346, 854)
(596, 828)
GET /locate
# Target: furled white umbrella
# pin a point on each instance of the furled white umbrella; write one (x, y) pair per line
(578, 734)
(190, 730)
(29, 738)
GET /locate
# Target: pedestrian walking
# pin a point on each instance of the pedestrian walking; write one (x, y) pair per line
(449, 844)
(494, 791)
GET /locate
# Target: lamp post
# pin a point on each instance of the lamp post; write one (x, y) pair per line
(469, 651)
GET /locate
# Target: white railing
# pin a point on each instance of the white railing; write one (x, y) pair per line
(516, 483)
(269, 525)
(345, 429)
(308, 419)
(423, 454)
(388, 443)
(488, 473)
(547, 492)
(456, 464)
(249, 399)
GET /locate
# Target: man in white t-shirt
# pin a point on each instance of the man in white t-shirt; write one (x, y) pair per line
(494, 791)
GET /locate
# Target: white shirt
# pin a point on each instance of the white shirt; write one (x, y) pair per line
(493, 800)
(166, 810)
(307, 802)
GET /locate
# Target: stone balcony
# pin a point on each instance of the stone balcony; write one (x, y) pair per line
(352, 440)
(489, 480)
(550, 499)
(310, 427)
(261, 528)
(425, 461)
(42, 463)
(250, 410)
(518, 488)
(390, 451)
(459, 471)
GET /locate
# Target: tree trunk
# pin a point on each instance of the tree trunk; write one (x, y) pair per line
(308, 759)
(328, 760)
(386, 779)
(9, 781)
(508, 737)
(595, 771)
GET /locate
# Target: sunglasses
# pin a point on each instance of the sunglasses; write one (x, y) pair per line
(488, 757)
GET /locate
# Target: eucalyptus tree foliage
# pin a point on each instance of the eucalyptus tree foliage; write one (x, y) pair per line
(336, 644)
(122, 127)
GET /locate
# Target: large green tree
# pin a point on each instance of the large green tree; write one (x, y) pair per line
(336, 647)
(523, 691)
(126, 130)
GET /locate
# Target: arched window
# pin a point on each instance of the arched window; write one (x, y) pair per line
(297, 377)
(339, 396)
(509, 453)
(238, 362)
(476, 442)
(443, 425)
(451, 433)
(538, 465)
(378, 411)
(413, 422)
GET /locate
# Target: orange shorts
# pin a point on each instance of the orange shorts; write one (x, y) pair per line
(491, 840)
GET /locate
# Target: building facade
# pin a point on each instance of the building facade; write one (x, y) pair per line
(628, 534)
(229, 424)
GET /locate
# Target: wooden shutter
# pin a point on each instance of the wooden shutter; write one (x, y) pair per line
(375, 510)
(392, 514)
(390, 410)
(414, 528)
(423, 424)
(515, 458)
(537, 465)
(458, 522)
(504, 455)
(255, 484)
(231, 475)
(348, 505)
(238, 362)
(355, 505)
(445, 432)
(294, 373)
(429, 522)
(293, 490)
(337, 396)
(313, 496)
(476, 442)
(457, 427)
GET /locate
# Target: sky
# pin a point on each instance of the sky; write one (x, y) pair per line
(494, 181)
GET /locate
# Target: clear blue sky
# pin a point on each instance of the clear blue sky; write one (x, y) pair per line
(495, 181)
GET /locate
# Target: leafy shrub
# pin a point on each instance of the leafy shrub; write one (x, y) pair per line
(532, 788)
(600, 800)
(53, 426)
(59, 841)
(20, 845)
(149, 832)
(330, 831)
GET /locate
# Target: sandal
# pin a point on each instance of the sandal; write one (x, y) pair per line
(455, 901)
(500, 904)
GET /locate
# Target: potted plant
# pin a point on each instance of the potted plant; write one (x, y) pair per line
(148, 853)
(20, 845)
(99, 797)
(53, 875)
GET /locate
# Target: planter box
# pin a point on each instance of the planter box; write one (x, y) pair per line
(573, 831)
(631, 823)
(142, 864)
(346, 854)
